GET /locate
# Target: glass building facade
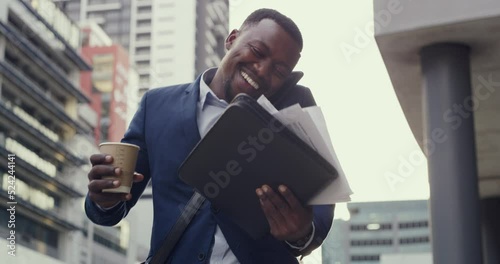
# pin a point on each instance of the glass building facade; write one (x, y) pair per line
(159, 40)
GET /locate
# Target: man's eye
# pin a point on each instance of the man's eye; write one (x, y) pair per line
(257, 52)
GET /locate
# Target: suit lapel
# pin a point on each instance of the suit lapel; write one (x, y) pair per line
(189, 102)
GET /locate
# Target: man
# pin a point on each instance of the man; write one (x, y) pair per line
(170, 121)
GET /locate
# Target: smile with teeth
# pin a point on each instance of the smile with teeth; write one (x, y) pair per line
(249, 80)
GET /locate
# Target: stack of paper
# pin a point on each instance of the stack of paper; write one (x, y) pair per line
(309, 125)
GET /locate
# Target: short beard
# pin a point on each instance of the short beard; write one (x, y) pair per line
(227, 90)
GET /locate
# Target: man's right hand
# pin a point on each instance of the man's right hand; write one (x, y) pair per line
(102, 167)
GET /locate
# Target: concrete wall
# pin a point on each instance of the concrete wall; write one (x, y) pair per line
(403, 15)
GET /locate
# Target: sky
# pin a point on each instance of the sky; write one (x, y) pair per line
(345, 71)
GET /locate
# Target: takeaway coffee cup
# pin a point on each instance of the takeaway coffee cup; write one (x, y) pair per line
(124, 157)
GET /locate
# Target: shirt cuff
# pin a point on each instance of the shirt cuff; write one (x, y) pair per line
(105, 209)
(308, 241)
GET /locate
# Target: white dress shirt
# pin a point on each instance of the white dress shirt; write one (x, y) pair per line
(208, 111)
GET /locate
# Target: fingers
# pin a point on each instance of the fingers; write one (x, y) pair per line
(103, 175)
(271, 201)
(96, 186)
(138, 177)
(275, 208)
(287, 218)
(276, 200)
(289, 197)
(97, 159)
(101, 166)
(272, 215)
(99, 171)
(106, 199)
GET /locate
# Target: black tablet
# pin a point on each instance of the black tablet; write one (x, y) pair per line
(245, 149)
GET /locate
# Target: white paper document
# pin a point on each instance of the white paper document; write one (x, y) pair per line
(310, 126)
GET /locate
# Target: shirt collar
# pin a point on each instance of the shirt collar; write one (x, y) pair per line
(207, 96)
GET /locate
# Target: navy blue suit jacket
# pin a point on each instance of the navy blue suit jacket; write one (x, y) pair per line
(166, 130)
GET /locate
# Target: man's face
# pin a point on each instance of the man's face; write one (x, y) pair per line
(259, 59)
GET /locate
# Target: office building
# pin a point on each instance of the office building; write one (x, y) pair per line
(443, 58)
(113, 16)
(378, 229)
(169, 41)
(46, 124)
(111, 84)
(46, 128)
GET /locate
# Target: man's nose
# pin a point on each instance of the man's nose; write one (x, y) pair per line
(264, 69)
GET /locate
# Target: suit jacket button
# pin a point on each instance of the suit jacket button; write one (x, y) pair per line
(201, 257)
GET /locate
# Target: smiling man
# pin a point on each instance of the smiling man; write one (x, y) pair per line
(171, 120)
(260, 57)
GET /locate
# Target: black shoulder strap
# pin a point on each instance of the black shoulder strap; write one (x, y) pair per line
(161, 255)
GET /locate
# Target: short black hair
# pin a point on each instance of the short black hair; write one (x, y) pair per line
(285, 22)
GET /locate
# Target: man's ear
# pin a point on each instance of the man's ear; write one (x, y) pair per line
(231, 38)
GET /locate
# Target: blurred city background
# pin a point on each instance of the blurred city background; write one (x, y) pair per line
(72, 73)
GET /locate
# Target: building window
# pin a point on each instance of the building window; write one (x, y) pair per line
(142, 64)
(371, 227)
(34, 234)
(371, 242)
(109, 244)
(31, 194)
(144, 10)
(414, 240)
(28, 33)
(355, 258)
(142, 50)
(416, 224)
(33, 75)
(113, 16)
(143, 23)
(143, 36)
(144, 79)
(30, 157)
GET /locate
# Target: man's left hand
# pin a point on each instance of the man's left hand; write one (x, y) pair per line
(287, 218)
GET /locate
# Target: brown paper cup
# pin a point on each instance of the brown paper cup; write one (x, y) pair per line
(124, 156)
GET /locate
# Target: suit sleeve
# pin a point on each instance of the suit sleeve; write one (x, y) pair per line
(323, 218)
(134, 135)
